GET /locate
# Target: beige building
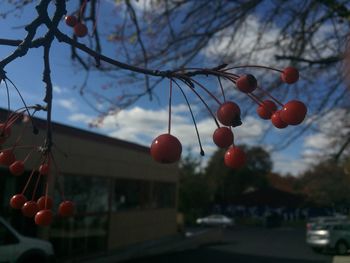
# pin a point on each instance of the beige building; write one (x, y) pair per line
(122, 196)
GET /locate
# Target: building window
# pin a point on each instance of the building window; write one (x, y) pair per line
(90, 194)
(163, 195)
(140, 194)
(131, 194)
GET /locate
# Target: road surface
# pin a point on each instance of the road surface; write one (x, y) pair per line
(252, 245)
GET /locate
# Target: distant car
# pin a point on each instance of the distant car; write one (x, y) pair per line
(328, 219)
(334, 235)
(16, 248)
(338, 218)
(216, 220)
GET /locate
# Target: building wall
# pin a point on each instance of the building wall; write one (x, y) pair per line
(95, 155)
(97, 160)
(131, 227)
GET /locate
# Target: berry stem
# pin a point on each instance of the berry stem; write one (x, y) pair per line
(255, 99)
(46, 192)
(58, 172)
(28, 155)
(170, 97)
(20, 134)
(207, 91)
(253, 66)
(193, 119)
(18, 147)
(95, 18)
(233, 142)
(205, 104)
(230, 75)
(20, 95)
(231, 78)
(82, 9)
(36, 186)
(270, 96)
(8, 97)
(13, 117)
(28, 181)
(222, 89)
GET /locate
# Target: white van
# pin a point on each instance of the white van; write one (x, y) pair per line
(16, 248)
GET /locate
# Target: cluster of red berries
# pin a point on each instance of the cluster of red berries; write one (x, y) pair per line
(166, 148)
(80, 29)
(40, 209)
(292, 113)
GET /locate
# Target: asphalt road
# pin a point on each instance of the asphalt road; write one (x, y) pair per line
(250, 245)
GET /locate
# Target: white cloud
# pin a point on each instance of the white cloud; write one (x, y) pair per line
(253, 41)
(148, 5)
(57, 89)
(69, 104)
(286, 164)
(332, 127)
(80, 117)
(245, 39)
(252, 128)
(317, 141)
(143, 125)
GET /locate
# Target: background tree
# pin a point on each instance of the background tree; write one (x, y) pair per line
(326, 184)
(285, 183)
(311, 35)
(194, 192)
(227, 183)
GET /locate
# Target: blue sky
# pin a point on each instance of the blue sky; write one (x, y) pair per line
(145, 120)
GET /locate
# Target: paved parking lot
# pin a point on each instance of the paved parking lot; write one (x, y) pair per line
(252, 245)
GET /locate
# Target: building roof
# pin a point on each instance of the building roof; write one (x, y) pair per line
(83, 134)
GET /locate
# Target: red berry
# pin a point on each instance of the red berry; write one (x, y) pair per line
(235, 158)
(166, 148)
(30, 208)
(277, 121)
(229, 114)
(43, 217)
(17, 168)
(290, 75)
(71, 20)
(80, 30)
(293, 112)
(223, 137)
(266, 109)
(44, 169)
(17, 201)
(7, 157)
(66, 209)
(247, 83)
(41, 202)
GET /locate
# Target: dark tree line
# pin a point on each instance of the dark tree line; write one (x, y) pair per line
(325, 184)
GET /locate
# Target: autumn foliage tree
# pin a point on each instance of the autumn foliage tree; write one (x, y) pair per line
(326, 184)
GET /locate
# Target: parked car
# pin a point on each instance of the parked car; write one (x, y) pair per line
(334, 235)
(16, 248)
(326, 219)
(216, 220)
